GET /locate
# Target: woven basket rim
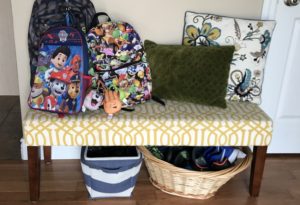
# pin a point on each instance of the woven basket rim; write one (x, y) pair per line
(180, 194)
(228, 172)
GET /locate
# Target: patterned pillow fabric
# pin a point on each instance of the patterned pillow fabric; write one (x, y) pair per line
(251, 39)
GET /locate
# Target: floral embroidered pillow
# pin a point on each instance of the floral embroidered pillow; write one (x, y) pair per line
(251, 39)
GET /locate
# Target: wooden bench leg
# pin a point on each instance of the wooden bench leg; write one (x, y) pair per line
(47, 154)
(257, 169)
(34, 170)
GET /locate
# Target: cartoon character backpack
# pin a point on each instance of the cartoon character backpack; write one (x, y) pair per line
(47, 14)
(59, 82)
(117, 58)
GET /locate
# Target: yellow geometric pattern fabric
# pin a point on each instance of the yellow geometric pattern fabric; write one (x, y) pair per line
(178, 123)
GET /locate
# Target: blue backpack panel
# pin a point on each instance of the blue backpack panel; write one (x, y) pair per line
(59, 84)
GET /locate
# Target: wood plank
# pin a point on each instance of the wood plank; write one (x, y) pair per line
(281, 186)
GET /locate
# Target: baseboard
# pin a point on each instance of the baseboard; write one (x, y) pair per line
(23, 149)
(283, 155)
(58, 152)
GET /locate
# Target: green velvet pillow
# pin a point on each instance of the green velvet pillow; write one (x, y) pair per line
(191, 74)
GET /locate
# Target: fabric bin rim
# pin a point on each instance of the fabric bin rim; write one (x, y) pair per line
(111, 158)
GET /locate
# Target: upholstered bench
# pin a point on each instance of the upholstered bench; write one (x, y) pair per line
(240, 124)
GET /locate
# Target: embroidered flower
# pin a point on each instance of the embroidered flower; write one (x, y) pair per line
(243, 86)
(265, 39)
(259, 24)
(243, 57)
(205, 37)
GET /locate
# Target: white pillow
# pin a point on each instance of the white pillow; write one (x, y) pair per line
(251, 39)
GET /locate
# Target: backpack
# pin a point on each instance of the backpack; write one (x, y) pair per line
(117, 58)
(52, 13)
(59, 81)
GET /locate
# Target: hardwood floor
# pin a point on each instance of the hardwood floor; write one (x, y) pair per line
(62, 184)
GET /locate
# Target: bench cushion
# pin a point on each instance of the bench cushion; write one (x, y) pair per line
(240, 124)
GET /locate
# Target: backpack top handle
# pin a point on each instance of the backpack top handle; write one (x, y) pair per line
(95, 20)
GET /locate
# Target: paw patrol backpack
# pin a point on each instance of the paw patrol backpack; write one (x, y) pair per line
(47, 14)
(117, 58)
(59, 82)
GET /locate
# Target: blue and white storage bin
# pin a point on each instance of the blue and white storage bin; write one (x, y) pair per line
(110, 176)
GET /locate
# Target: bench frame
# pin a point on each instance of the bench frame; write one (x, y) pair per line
(34, 170)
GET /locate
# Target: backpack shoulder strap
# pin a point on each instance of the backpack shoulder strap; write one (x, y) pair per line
(158, 100)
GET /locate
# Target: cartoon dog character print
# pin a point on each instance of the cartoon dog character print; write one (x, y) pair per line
(69, 104)
(58, 85)
(75, 65)
(92, 101)
(36, 95)
(50, 103)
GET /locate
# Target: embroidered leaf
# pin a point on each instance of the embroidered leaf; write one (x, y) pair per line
(237, 29)
(246, 80)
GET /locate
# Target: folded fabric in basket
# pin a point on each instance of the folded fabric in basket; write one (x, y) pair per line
(210, 158)
(215, 158)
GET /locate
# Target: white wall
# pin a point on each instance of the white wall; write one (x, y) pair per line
(158, 20)
(8, 67)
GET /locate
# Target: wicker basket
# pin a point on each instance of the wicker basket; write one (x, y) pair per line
(190, 184)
